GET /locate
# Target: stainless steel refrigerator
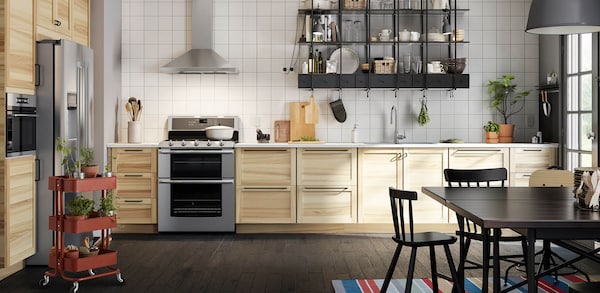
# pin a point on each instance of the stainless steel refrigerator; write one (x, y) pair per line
(65, 108)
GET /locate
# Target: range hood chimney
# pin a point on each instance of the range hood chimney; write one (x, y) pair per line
(201, 58)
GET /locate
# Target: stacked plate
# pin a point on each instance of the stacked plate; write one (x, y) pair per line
(434, 37)
(459, 35)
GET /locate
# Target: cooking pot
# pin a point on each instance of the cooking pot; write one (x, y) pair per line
(219, 132)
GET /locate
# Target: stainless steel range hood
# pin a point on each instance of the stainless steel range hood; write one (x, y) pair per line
(201, 58)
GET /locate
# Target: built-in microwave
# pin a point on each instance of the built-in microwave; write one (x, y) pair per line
(21, 115)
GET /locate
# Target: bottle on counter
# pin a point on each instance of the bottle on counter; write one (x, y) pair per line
(354, 134)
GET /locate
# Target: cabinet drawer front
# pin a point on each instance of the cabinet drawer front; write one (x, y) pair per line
(142, 160)
(136, 211)
(478, 158)
(266, 167)
(326, 204)
(136, 185)
(266, 205)
(530, 159)
(519, 178)
(327, 167)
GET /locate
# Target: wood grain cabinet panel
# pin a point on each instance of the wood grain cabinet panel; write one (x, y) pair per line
(136, 211)
(322, 167)
(327, 204)
(19, 47)
(523, 161)
(268, 204)
(132, 185)
(53, 19)
(134, 160)
(377, 170)
(18, 239)
(266, 167)
(81, 22)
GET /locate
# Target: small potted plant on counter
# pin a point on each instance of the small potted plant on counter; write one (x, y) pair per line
(88, 167)
(491, 132)
(507, 102)
(79, 207)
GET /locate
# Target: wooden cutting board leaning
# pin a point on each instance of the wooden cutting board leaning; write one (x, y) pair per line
(298, 126)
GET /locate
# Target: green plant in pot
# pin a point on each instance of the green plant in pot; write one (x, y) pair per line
(79, 207)
(88, 167)
(70, 164)
(107, 207)
(507, 101)
(492, 130)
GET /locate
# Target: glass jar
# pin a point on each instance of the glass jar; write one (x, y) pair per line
(347, 31)
(358, 31)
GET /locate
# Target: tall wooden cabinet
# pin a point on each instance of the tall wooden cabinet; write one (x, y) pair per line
(136, 203)
(63, 19)
(19, 47)
(18, 210)
(265, 185)
(327, 185)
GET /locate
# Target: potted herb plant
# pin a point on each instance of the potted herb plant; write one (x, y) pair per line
(79, 207)
(492, 130)
(507, 102)
(70, 164)
(107, 207)
(88, 167)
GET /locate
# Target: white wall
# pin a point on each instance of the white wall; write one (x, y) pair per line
(259, 36)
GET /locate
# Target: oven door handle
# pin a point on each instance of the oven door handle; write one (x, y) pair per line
(179, 181)
(221, 151)
(26, 115)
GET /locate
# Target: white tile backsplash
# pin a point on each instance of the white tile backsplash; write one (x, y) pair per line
(259, 36)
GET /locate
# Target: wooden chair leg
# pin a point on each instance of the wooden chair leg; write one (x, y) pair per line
(411, 270)
(390, 272)
(434, 278)
(456, 287)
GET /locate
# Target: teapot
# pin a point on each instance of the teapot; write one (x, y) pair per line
(404, 36)
(384, 35)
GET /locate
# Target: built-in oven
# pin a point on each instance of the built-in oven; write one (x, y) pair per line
(196, 190)
(21, 115)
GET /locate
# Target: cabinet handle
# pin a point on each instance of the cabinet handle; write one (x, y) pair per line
(133, 150)
(532, 150)
(133, 175)
(57, 22)
(475, 152)
(266, 188)
(273, 150)
(326, 189)
(133, 200)
(37, 75)
(327, 151)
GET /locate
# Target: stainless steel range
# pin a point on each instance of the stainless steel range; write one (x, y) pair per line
(196, 186)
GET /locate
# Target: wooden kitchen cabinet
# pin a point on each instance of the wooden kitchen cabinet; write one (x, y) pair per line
(266, 185)
(63, 19)
(327, 185)
(407, 169)
(18, 225)
(525, 160)
(478, 158)
(135, 169)
(19, 46)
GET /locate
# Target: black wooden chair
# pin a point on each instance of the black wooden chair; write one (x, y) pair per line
(483, 178)
(399, 200)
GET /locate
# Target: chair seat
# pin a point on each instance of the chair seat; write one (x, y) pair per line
(426, 239)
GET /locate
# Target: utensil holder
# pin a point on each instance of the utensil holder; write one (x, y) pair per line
(134, 132)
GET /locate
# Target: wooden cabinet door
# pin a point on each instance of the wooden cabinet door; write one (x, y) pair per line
(133, 160)
(425, 167)
(478, 158)
(265, 167)
(327, 167)
(19, 226)
(136, 210)
(326, 204)
(45, 13)
(53, 19)
(136, 185)
(81, 22)
(523, 161)
(20, 47)
(377, 171)
(266, 205)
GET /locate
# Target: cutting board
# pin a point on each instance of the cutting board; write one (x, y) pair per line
(298, 125)
(281, 131)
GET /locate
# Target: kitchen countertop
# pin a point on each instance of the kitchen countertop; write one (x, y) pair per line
(391, 145)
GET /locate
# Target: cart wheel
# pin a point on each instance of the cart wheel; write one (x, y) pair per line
(74, 288)
(44, 281)
(91, 272)
(120, 278)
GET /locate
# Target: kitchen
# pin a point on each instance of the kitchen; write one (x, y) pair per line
(260, 38)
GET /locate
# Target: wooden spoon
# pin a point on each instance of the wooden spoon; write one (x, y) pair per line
(129, 111)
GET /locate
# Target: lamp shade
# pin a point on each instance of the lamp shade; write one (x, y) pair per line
(561, 17)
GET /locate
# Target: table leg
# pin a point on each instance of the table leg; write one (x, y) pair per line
(463, 256)
(531, 280)
(496, 256)
(486, 259)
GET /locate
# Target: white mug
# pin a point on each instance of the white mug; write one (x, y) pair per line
(404, 36)
(384, 37)
(386, 31)
(415, 36)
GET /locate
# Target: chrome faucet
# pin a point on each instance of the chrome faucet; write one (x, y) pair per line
(394, 120)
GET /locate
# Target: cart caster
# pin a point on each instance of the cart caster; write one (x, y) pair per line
(120, 278)
(91, 272)
(44, 281)
(74, 288)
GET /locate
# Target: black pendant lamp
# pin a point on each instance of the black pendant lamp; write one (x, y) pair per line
(563, 17)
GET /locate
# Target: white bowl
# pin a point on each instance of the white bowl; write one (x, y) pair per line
(219, 132)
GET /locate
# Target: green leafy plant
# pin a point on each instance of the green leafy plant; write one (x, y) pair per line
(491, 127)
(107, 206)
(80, 206)
(86, 156)
(69, 162)
(504, 96)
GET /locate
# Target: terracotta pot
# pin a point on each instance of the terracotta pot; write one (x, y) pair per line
(506, 132)
(90, 171)
(491, 137)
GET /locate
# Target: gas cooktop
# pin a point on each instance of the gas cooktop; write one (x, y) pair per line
(189, 132)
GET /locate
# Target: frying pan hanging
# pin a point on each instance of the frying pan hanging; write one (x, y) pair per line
(337, 107)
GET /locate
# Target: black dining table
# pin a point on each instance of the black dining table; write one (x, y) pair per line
(548, 213)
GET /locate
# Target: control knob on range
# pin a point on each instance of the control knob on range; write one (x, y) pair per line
(170, 142)
(208, 143)
(221, 143)
(196, 143)
(183, 142)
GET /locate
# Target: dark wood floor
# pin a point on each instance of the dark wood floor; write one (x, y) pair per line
(242, 263)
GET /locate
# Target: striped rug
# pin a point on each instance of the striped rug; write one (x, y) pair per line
(472, 285)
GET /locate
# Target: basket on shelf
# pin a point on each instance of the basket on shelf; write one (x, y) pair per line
(384, 66)
(355, 4)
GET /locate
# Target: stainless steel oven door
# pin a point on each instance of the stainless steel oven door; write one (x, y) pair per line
(195, 164)
(196, 205)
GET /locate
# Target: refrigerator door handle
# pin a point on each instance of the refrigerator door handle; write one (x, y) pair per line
(37, 170)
